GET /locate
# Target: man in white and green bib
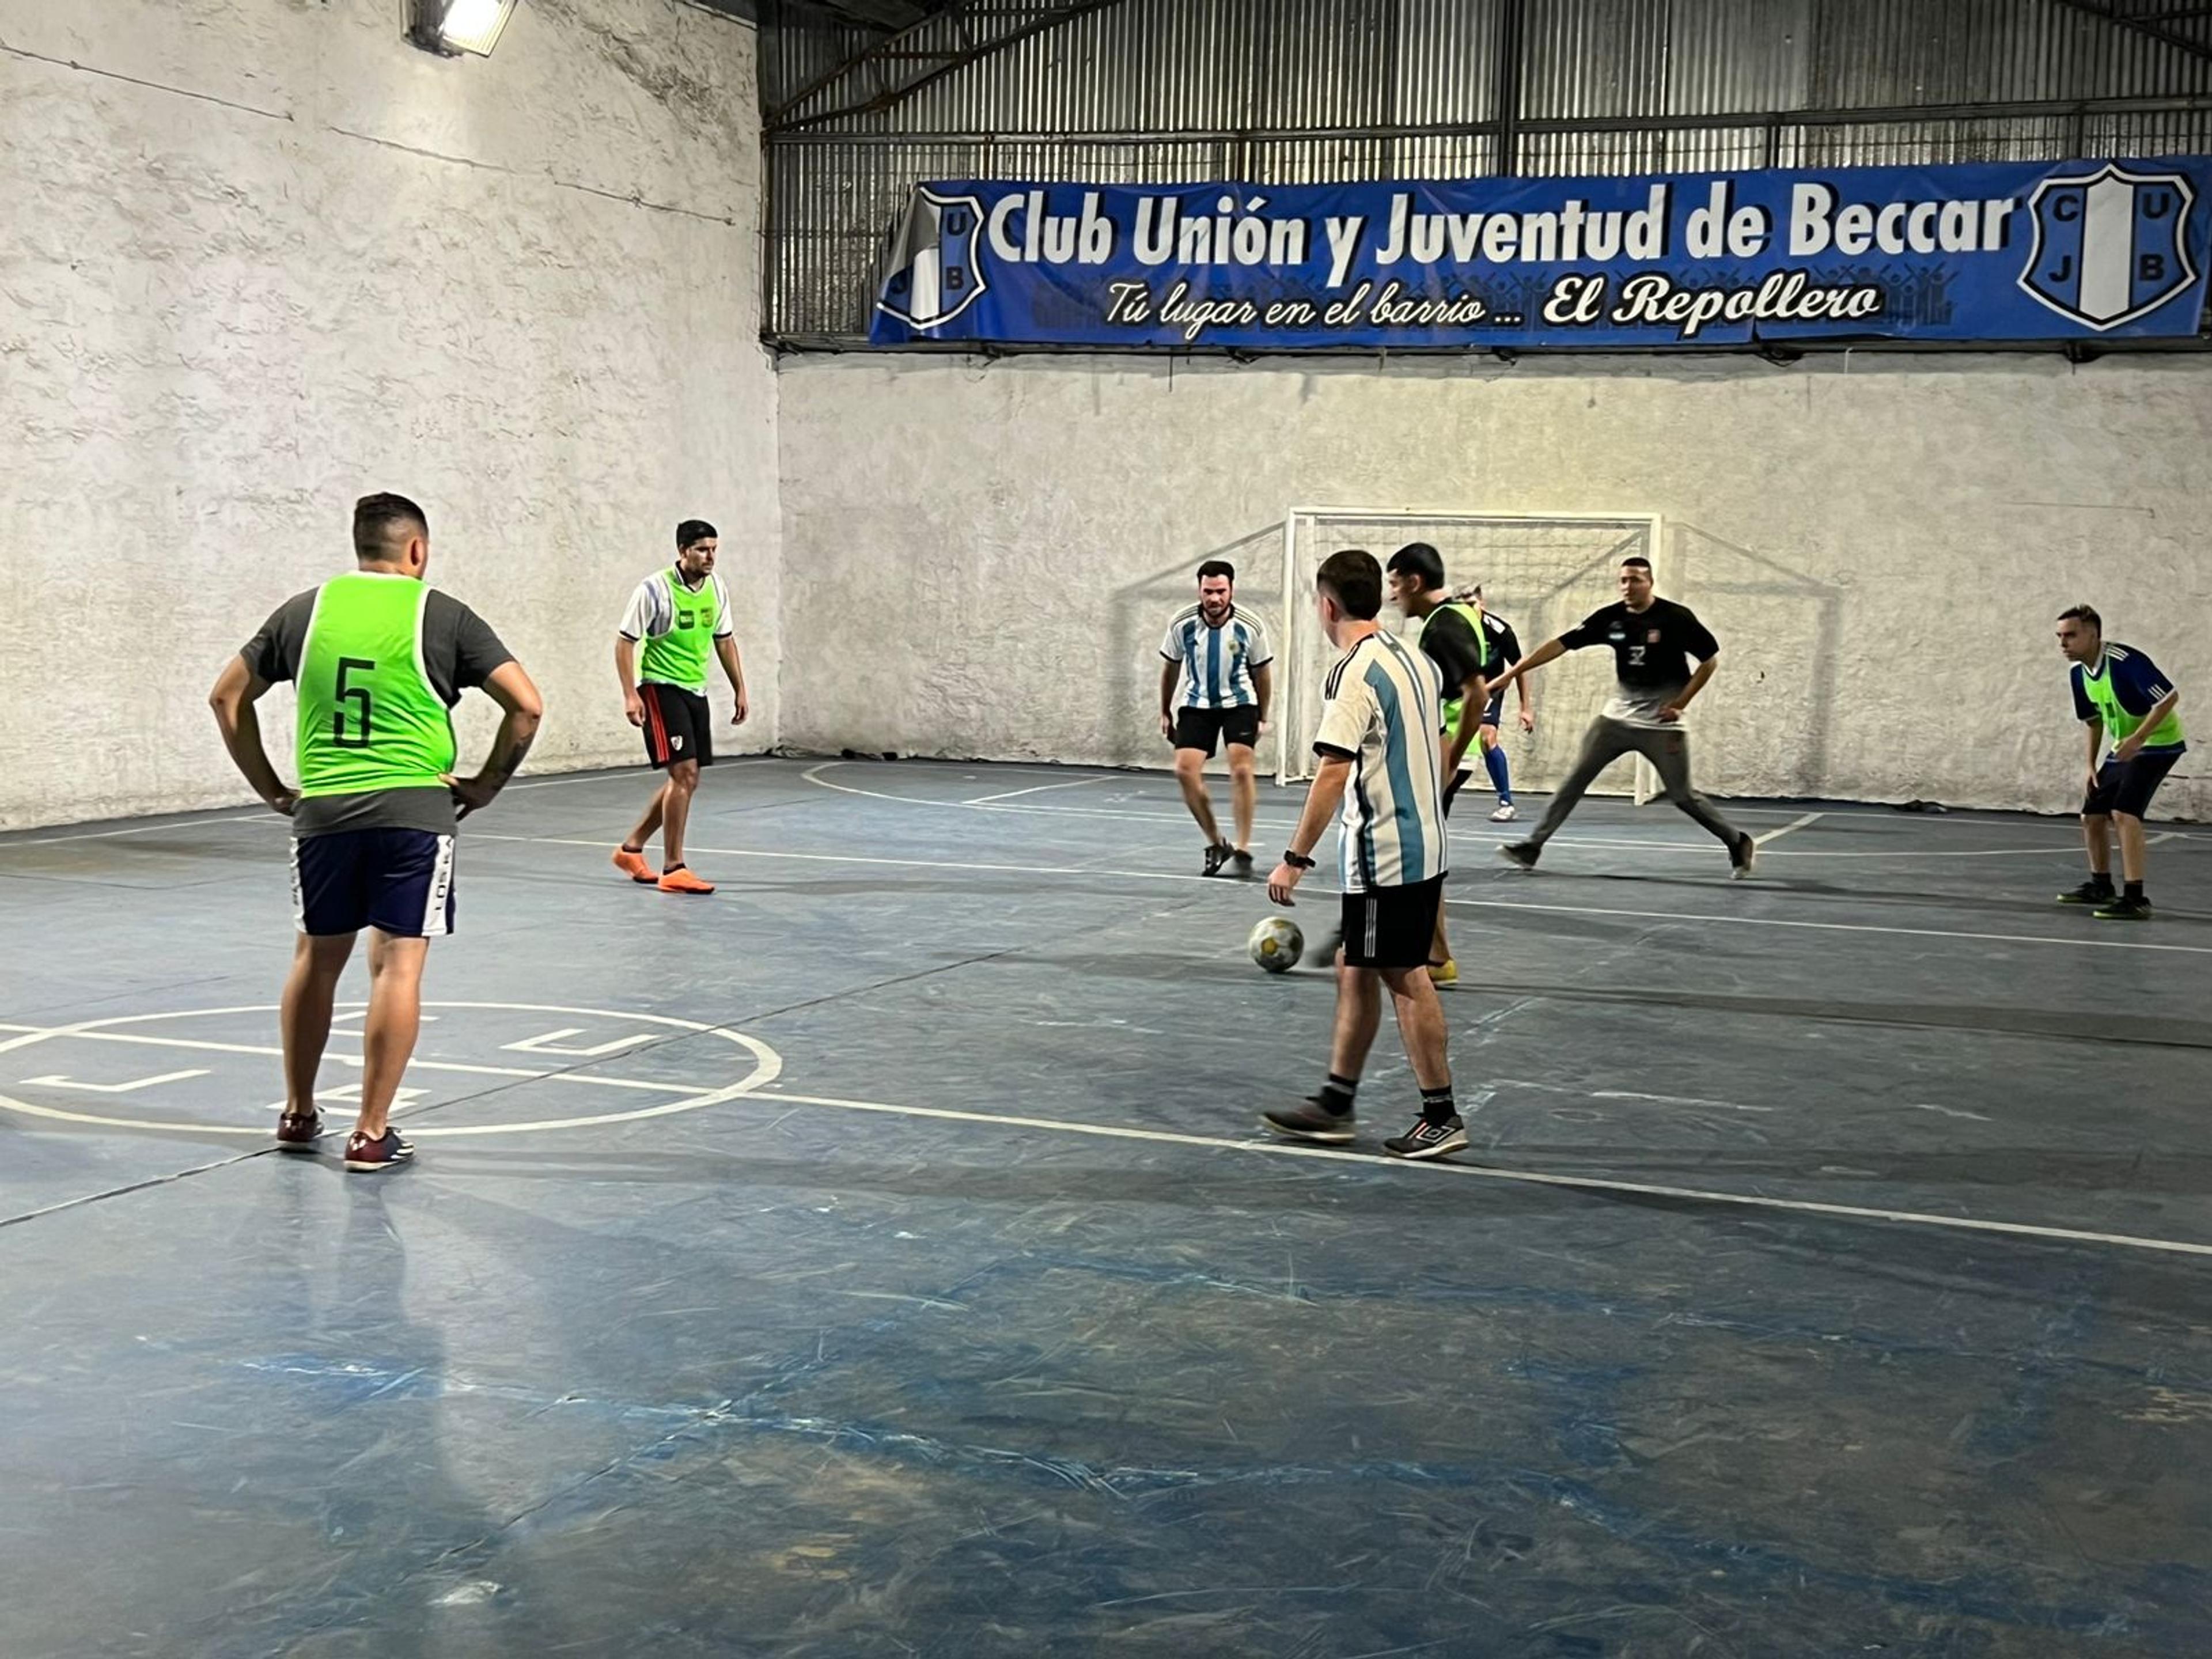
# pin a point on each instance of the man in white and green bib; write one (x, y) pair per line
(2119, 694)
(683, 616)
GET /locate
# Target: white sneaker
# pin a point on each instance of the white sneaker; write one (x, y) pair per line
(1504, 814)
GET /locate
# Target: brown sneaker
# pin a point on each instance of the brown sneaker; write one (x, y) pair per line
(681, 880)
(634, 866)
(386, 1151)
(298, 1134)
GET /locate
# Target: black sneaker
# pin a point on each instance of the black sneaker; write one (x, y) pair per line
(386, 1151)
(1741, 857)
(1427, 1140)
(1522, 852)
(1240, 862)
(1311, 1121)
(2123, 909)
(2089, 892)
(1216, 856)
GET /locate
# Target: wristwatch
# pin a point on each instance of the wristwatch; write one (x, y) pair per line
(1296, 861)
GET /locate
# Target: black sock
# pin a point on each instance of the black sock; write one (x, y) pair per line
(627, 848)
(665, 868)
(1336, 1094)
(2134, 892)
(2101, 880)
(1436, 1105)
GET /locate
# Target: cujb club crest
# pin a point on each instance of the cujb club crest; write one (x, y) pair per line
(2110, 246)
(931, 271)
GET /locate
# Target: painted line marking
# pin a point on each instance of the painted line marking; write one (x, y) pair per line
(142, 828)
(60, 1082)
(1794, 823)
(549, 1044)
(204, 1046)
(1037, 789)
(1529, 1177)
(1834, 927)
(1249, 888)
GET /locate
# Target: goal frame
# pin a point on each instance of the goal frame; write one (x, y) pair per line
(1647, 776)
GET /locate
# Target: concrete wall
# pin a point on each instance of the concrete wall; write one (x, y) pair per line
(262, 256)
(989, 551)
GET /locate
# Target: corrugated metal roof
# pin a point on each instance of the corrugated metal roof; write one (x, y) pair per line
(1299, 91)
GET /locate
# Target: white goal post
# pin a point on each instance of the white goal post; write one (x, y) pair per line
(1541, 572)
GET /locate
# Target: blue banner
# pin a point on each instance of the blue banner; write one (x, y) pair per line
(2043, 251)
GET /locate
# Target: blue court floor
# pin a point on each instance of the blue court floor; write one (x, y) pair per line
(883, 1257)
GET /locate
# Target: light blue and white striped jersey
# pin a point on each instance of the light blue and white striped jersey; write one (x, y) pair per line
(1384, 712)
(1217, 662)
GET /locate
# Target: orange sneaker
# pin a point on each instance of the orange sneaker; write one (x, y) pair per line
(681, 880)
(634, 866)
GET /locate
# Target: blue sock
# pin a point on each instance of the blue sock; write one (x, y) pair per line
(1494, 758)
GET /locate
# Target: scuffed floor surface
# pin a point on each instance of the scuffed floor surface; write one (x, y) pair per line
(881, 1257)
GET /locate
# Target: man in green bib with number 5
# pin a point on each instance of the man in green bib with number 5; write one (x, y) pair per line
(683, 616)
(379, 658)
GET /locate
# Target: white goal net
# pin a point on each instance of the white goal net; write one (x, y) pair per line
(1543, 573)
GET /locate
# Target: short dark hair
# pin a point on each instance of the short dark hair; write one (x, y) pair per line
(2087, 613)
(1420, 560)
(694, 529)
(1218, 567)
(1354, 580)
(380, 520)
(1637, 559)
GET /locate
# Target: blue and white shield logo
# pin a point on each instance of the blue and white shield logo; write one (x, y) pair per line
(2110, 246)
(931, 269)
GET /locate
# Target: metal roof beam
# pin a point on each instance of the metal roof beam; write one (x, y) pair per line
(2147, 24)
(922, 56)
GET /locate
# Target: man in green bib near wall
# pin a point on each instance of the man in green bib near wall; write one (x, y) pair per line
(2119, 694)
(683, 616)
(379, 658)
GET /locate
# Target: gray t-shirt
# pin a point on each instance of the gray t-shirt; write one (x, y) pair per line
(459, 651)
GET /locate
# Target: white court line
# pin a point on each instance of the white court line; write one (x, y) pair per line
(1834, 927)
(1038, 789)
(1531, 1177)
(1251, 889)
(635, 777)
(143, 829)
(206, 1047)
(1794, 823)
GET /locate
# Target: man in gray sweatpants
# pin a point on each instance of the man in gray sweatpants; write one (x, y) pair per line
(1654, 642)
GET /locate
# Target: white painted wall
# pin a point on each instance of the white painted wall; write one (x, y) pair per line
(989, 551)
(260, 257)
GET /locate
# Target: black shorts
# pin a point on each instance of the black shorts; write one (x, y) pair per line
(679, 725)
(1199, 728)
(1391, 926)
(398, 881)
(2127, 786)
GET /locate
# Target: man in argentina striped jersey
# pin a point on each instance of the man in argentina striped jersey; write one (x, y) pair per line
(1382, 760)
(1214, 686)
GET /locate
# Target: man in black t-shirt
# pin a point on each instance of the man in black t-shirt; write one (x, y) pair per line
(1654, 641)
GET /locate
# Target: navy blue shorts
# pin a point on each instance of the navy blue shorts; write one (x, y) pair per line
(2127, 786)
(398, 881)
(1493, 712)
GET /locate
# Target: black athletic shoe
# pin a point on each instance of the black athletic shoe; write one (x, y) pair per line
(1216, 856)
(2123, 909)
(2089, 892)
(1741, 857)
(1522, 852)
(1240, 865)
(1427, 1140)
(1311, 1120)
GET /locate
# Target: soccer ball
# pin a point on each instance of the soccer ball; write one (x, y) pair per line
(1276, 945)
